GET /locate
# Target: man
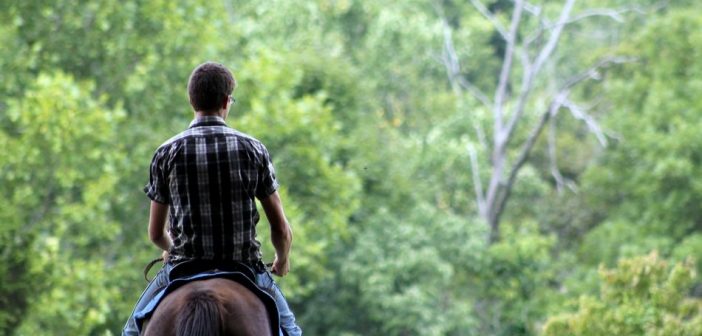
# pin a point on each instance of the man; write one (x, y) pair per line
(203, 182)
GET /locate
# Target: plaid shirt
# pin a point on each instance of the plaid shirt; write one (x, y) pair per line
(209, 175)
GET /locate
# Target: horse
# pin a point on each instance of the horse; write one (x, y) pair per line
(210, 307)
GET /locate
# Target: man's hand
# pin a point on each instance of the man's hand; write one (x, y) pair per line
(280, 266)
(164, 256)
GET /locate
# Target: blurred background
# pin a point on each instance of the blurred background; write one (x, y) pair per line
(477, 167)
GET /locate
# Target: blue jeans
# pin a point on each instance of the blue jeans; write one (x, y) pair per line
(159, 282)
(287, 319)
(263, 280)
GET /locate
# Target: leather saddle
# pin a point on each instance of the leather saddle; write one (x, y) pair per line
(194, 270)
(193, 267)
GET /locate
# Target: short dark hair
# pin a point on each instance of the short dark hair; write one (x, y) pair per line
(208, 85)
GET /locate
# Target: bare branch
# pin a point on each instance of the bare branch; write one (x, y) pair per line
(530, 72)
(526, 151)
(553, 159)
(475, 91)
(490, 16)
(453, 67)
(555, 36)
(592, 125)
(498, 151)
(482, 139)
(553, 156)
(614, 14)
(477, 184)
(533, 37)
(534, 134)
(560, 100)
(593, 71)
(544, 24)
(450, 58)
(532, 9)
(528, 79)
(506, 70)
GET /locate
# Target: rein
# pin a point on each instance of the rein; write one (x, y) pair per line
(148, 268)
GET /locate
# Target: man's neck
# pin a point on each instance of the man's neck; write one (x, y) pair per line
(221, 113)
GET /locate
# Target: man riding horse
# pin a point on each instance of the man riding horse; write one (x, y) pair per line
(203, 183)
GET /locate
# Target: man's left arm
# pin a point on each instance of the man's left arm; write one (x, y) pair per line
(157, 225)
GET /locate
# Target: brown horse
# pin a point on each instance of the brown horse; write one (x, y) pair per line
(210, 307)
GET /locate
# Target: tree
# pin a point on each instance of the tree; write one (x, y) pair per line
(656, 127)
(303, 136)
(643, 296)
(56, 180)
(645, 187)
(522, 97)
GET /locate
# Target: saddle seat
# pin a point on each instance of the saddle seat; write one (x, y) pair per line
(195, 270)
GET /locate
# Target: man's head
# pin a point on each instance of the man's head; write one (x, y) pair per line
(210, 86)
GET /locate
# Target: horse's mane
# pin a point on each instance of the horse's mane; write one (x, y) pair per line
(201, 316)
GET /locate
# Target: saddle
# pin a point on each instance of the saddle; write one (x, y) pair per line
(194, 267)
(194, 270)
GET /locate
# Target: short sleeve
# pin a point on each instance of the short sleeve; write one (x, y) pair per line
(157, 188)
(267, 182)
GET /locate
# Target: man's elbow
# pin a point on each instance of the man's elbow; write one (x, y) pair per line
(284, 233)
(289, 234)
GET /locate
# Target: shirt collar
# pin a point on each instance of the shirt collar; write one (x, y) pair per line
(209, 120)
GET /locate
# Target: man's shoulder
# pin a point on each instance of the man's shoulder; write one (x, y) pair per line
(247, 139)
(173, 140)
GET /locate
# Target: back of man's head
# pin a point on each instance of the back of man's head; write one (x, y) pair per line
(209, 85)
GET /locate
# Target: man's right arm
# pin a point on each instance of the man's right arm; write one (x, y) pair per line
(281, 233)
(157, 223)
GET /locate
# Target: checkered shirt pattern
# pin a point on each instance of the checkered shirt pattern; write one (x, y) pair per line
(209, 176)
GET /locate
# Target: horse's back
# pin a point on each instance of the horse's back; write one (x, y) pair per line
(210, 307)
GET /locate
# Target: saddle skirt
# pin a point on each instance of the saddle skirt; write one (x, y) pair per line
(193, 271)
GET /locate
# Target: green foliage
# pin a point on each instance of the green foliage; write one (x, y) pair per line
(690, 247)
(21, 274)
(515, 282)
(642, 296)
(302, 135)
(396, 270)
(649, 178)
(80, 301)
(58, 169)
(622, 239)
